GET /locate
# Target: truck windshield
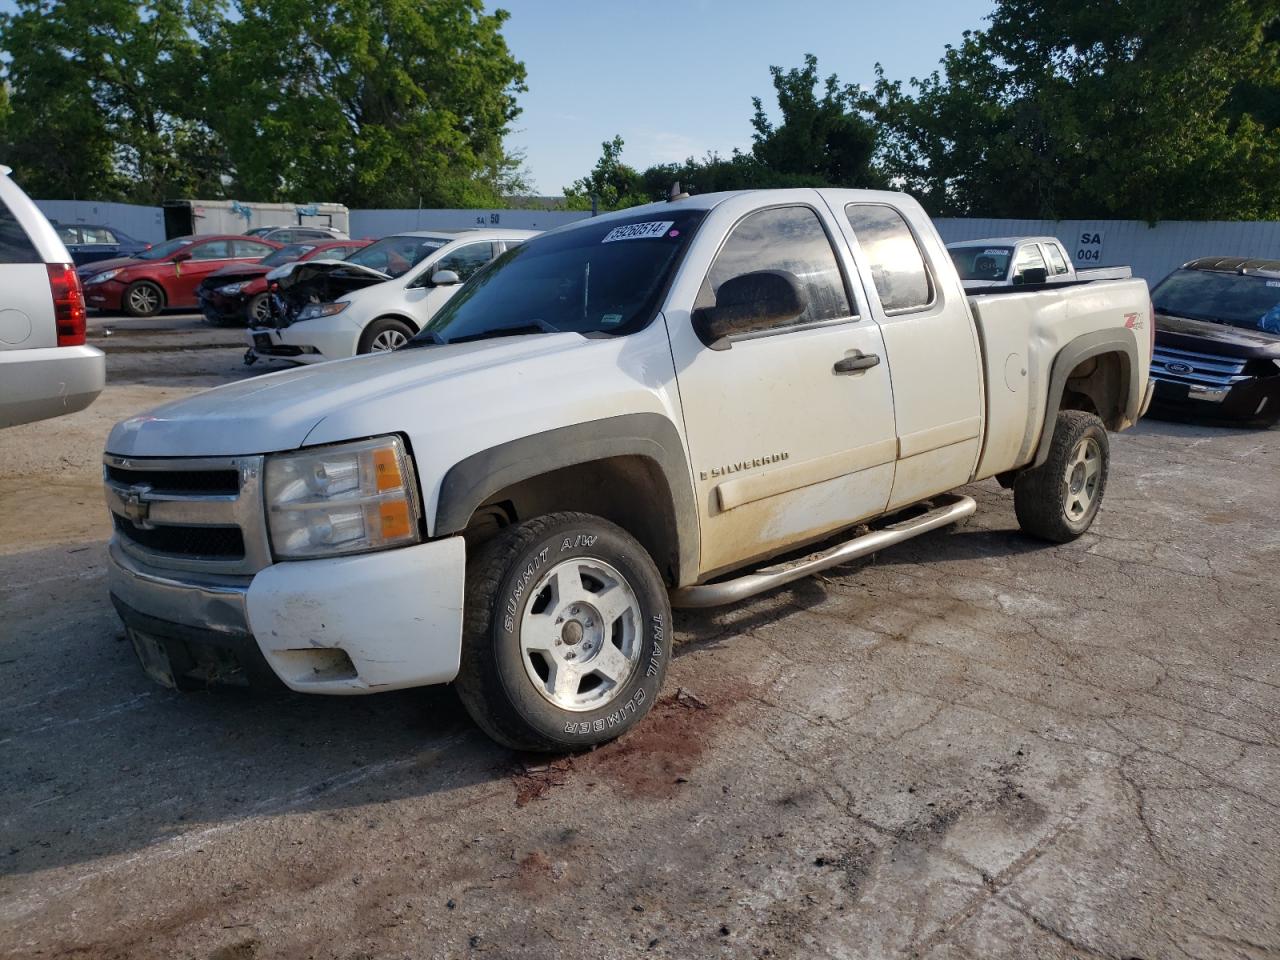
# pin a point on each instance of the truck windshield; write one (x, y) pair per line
(1238, 300)
(982, 263)
(599, 278)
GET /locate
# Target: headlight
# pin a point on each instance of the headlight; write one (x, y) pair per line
(101, 277)
(313, 310)
(231, 288)
(339, 499)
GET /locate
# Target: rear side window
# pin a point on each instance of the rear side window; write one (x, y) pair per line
(15, 245)
(1056, 259)
(784, 238)
(97, 235)
(897, 266)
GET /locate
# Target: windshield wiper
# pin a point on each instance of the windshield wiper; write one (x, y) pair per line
(512, 331)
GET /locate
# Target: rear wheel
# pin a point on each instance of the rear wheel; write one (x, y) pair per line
(143, 299)
(1058, 500)
(385, 333)
(566, 636)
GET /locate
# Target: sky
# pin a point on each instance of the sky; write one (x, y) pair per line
(675, 78)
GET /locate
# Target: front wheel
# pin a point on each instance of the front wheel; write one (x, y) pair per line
(384, 334)
(143, 299)
(1058, 500)
(258, 311)
(567, 634)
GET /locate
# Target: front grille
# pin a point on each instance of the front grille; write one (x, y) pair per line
(179, 481)
(220, 543)
(198, 514)
(1199, 369)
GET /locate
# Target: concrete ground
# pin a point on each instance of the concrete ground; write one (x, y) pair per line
(972, 746)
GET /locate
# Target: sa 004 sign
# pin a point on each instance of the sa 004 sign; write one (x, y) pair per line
(1089, 247)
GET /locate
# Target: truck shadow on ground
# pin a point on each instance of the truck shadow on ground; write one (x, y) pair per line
(98, 761)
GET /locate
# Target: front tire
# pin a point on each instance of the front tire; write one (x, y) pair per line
(143, 299)
(258, 310)
(1058, 500)
(383, 335)
(566, 636)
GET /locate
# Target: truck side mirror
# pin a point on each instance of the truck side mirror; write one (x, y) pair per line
(748, 303)
(445, 278)
(1032, 275)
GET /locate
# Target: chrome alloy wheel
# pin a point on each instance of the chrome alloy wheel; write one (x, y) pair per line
(1080, 482)
(580, 634)
(387, 340)
(144, 299)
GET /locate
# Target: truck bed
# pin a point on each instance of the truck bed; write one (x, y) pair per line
(1020, 331)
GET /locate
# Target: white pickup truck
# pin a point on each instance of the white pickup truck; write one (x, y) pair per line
(664, 406)
(997, 261)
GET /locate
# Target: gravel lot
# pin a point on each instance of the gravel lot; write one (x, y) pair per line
(971, 746)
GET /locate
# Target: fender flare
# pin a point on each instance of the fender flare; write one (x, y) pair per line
(1071, 356)
(473, 480)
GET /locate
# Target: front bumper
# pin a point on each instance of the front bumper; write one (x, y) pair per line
(308, 341)
(105, 296)
(1254, 399)
(48, 382)
(345, 625)
(221, 308)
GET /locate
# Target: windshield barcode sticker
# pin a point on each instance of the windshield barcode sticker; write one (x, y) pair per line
(638, 231)
(1273, 283)
(995, 252)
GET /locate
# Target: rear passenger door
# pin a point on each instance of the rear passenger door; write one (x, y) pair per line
(790, 429)
(931, 345)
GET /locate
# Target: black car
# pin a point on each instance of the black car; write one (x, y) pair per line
(91, 242)
(1217, 350)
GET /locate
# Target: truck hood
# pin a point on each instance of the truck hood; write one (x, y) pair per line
(1183, 333)
(278, 411)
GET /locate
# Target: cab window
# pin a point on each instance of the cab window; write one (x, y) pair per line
(790, 239)
(898, 268)
(1056, 260)
(1029, 258)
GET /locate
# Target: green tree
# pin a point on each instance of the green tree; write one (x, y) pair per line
(825, 140)
(105, 98)
(391, 103)
(1150, 109)
(612, 183)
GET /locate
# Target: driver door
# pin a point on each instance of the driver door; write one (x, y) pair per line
(789, 440)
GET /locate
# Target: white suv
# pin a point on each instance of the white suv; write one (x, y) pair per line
(46, 369)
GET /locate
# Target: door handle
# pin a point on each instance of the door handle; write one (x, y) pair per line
(858, 362)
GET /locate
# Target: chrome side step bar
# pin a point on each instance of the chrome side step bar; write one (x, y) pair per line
(947, 510)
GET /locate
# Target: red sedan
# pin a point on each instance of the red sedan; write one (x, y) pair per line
(166, 275)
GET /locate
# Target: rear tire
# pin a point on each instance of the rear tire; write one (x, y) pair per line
(566, 634)
(1058, 500)
(383, 335)
(142, 299)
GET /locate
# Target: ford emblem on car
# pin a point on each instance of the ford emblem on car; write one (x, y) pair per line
(1179, 367)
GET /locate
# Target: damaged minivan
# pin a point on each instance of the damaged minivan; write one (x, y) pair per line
(374, 300)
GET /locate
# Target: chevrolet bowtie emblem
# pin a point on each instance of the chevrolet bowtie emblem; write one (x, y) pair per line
(135, 505)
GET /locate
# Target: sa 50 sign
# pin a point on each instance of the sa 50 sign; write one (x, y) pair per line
(1089, 247)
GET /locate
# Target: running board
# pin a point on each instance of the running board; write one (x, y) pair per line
(949, 509)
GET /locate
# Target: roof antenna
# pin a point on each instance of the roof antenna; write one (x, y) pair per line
(676, 193)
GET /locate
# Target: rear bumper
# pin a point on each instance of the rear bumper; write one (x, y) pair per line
(347, 625)
(48, 382)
